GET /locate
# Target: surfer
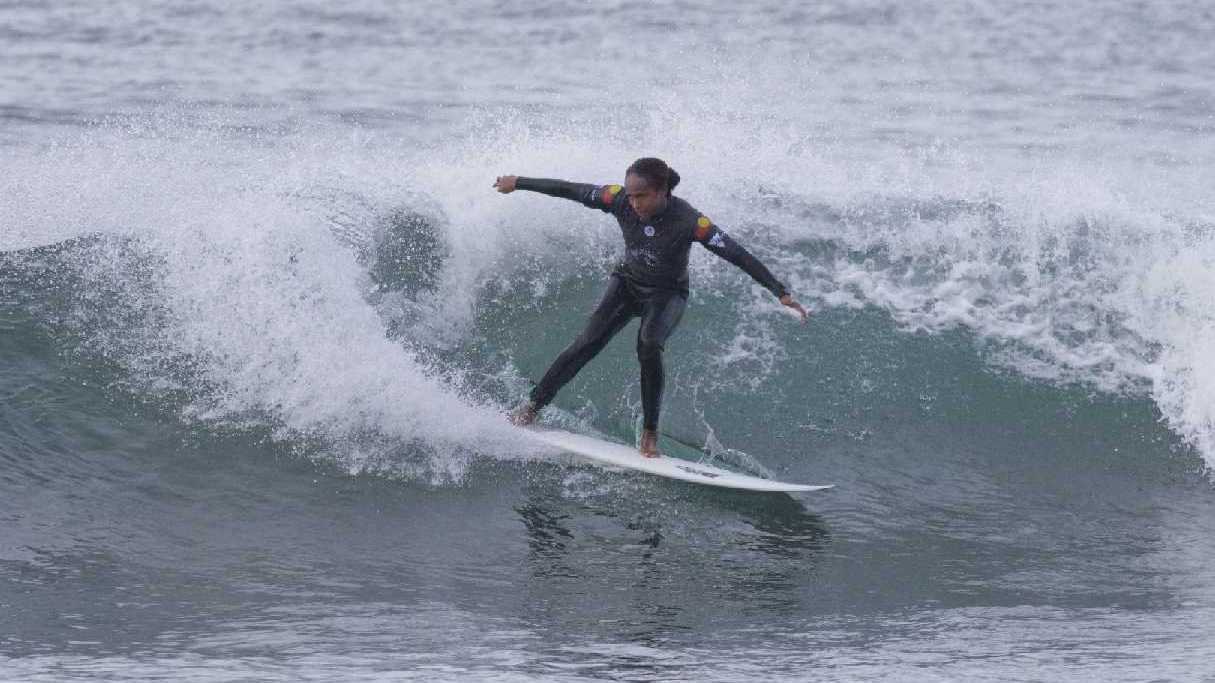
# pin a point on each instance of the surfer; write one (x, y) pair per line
(651, 281)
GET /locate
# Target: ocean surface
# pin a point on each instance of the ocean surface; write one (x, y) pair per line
(261, 314)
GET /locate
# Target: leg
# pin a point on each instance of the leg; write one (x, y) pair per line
(614, 311)
(659, 317)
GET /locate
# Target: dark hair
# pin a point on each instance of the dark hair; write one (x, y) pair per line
(656, 173)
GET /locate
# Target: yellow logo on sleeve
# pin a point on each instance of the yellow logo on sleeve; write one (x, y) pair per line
(703, 222)
(609, 193)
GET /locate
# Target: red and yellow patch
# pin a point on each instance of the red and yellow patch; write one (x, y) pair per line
(703, 225)
(609, 193)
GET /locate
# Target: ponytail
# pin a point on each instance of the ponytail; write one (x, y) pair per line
(658, 176)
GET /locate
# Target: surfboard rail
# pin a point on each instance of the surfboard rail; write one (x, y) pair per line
(612, 454)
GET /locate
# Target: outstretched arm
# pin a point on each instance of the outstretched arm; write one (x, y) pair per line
(717, 241)
(600, 197)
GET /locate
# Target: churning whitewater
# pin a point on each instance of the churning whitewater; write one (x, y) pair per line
(274, 273)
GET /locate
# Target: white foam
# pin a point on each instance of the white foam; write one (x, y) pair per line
(254, 288)
(1070, 269)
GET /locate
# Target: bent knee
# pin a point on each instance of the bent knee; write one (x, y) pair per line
(648, 350)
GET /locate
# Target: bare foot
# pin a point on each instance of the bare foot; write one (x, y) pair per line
(524, 415)
(649, 444)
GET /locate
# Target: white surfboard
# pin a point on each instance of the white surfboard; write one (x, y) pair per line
(618, 455)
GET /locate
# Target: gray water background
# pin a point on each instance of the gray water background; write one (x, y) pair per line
(1006, 509)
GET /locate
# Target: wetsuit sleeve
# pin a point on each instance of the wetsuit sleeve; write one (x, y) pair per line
(602, 197)
(717, 241)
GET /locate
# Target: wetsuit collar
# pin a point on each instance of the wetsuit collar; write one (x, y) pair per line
(665, 208)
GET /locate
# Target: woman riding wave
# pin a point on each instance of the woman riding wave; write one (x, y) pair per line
(651, 281)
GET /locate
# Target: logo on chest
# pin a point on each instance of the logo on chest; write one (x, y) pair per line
(649, 231)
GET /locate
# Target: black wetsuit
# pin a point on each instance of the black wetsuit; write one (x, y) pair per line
(651, 281)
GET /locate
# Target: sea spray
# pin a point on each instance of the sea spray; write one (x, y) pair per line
(266, 255)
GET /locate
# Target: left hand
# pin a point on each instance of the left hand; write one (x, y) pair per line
(789, 301)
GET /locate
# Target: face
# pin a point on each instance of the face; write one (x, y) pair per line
(645, 200)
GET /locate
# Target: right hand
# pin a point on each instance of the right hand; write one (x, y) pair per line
(506, 183)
